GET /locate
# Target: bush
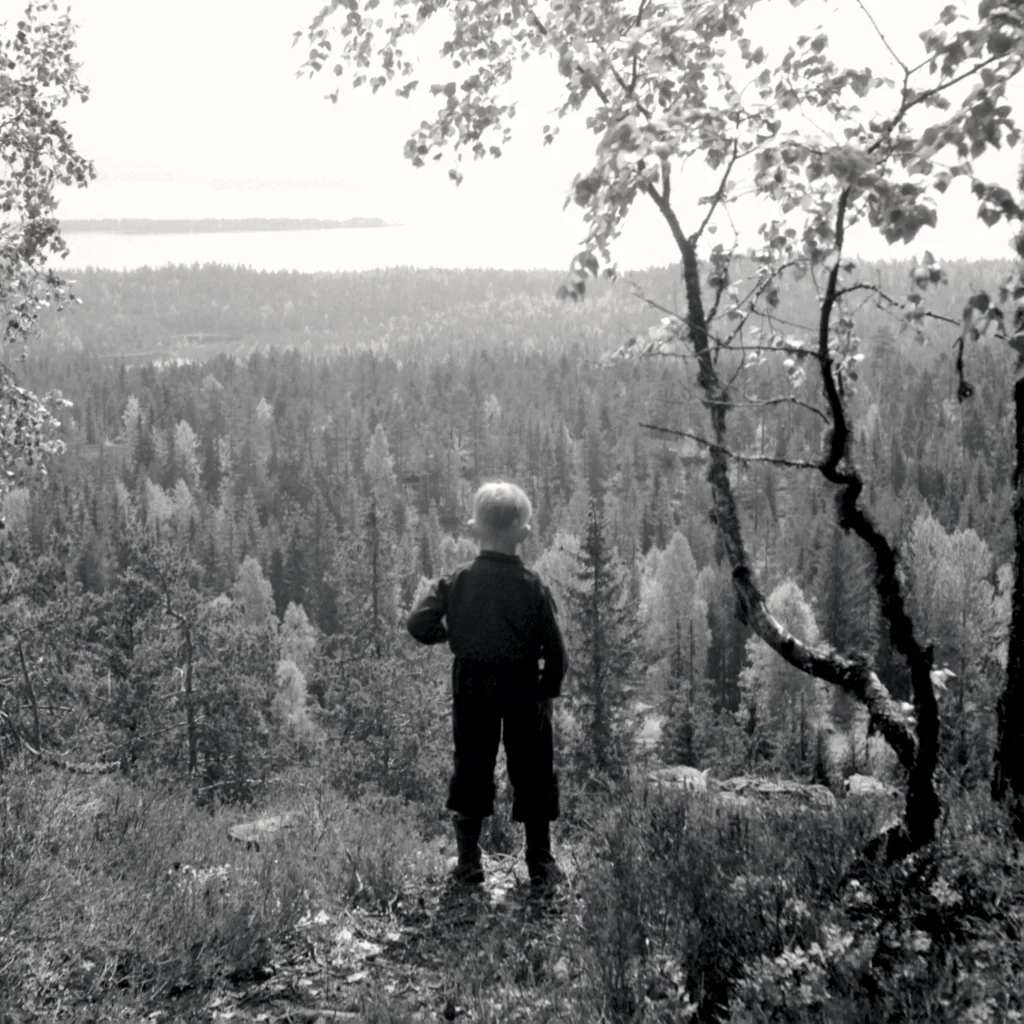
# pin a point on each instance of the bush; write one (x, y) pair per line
(388, 726)
(681, 895)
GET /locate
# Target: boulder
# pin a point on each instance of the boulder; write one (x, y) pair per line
(252, 833)
(869, 786)
(781, 793)
(744, 792)
(680, 777)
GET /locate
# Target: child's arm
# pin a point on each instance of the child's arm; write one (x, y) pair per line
(425, 620)
(556, 661)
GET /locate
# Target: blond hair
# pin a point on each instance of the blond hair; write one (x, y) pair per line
(499, 506)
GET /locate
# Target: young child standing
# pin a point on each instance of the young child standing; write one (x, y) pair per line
(499, 620)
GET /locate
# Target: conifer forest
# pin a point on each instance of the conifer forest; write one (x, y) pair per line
(776, 497)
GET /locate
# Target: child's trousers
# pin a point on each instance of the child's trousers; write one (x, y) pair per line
(501, 704)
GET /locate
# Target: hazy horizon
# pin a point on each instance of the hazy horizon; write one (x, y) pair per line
(240, 135)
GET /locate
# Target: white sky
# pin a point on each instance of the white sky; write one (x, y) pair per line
(191, 96)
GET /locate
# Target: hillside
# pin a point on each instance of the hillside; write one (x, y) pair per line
(207, 593)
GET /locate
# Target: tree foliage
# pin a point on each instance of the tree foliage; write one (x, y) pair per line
(783, 710)
(38, 80)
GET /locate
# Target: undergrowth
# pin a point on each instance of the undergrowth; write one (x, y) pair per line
(692, 911)
(124, 897)
(116, 890)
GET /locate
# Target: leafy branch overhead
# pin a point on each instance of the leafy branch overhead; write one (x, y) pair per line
(684, 99)
(660, 83)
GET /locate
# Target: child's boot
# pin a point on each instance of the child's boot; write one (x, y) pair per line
(468, 867)
(545, 874)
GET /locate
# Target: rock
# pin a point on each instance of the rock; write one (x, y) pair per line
(744, 792)
(868, 786)
(782, 793)
(252, 833)
(680, 777)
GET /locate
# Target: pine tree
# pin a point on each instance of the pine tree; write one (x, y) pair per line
(602, 651)
(364, 572)
(845, 602)
(729, 636)
(847, 610)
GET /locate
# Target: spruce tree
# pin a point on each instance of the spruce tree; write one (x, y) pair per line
(602, 650)
(845, 603)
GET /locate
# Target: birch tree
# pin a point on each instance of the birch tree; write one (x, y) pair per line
(38, 80)
(676, 95)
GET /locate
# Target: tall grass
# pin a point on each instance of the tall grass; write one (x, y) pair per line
(115, 889)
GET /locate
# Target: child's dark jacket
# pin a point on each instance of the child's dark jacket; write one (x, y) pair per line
(500, 618)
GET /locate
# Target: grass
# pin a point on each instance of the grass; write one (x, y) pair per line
(115, 890)
(118, 900)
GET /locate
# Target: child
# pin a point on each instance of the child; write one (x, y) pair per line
(499, 620)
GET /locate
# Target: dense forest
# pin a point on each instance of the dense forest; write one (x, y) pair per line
(330, 458)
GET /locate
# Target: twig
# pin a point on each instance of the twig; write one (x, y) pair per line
(885, 42)
(31, 693)
(757, 403)
(305, 1013)
(719, 194)
(738, 456)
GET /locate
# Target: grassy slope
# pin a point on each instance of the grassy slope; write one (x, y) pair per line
(118, 901)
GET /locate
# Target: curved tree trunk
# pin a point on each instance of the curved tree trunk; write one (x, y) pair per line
(917, 753)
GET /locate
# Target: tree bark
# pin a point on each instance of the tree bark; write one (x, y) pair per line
(1008, 774)
(922, 809)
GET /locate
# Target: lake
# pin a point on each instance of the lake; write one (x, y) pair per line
(324, 250)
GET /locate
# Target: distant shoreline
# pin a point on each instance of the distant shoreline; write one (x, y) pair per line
(215, 226)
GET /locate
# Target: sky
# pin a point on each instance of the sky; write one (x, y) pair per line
(196, 111)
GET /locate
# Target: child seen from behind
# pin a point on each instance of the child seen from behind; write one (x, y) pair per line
(500, 622)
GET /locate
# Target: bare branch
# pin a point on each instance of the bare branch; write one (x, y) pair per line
(736, 456)
(774, 318)
(898, 303)
(719, 194)
(885, 42)
(757, 403)
(31, 694)
(638, 292)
